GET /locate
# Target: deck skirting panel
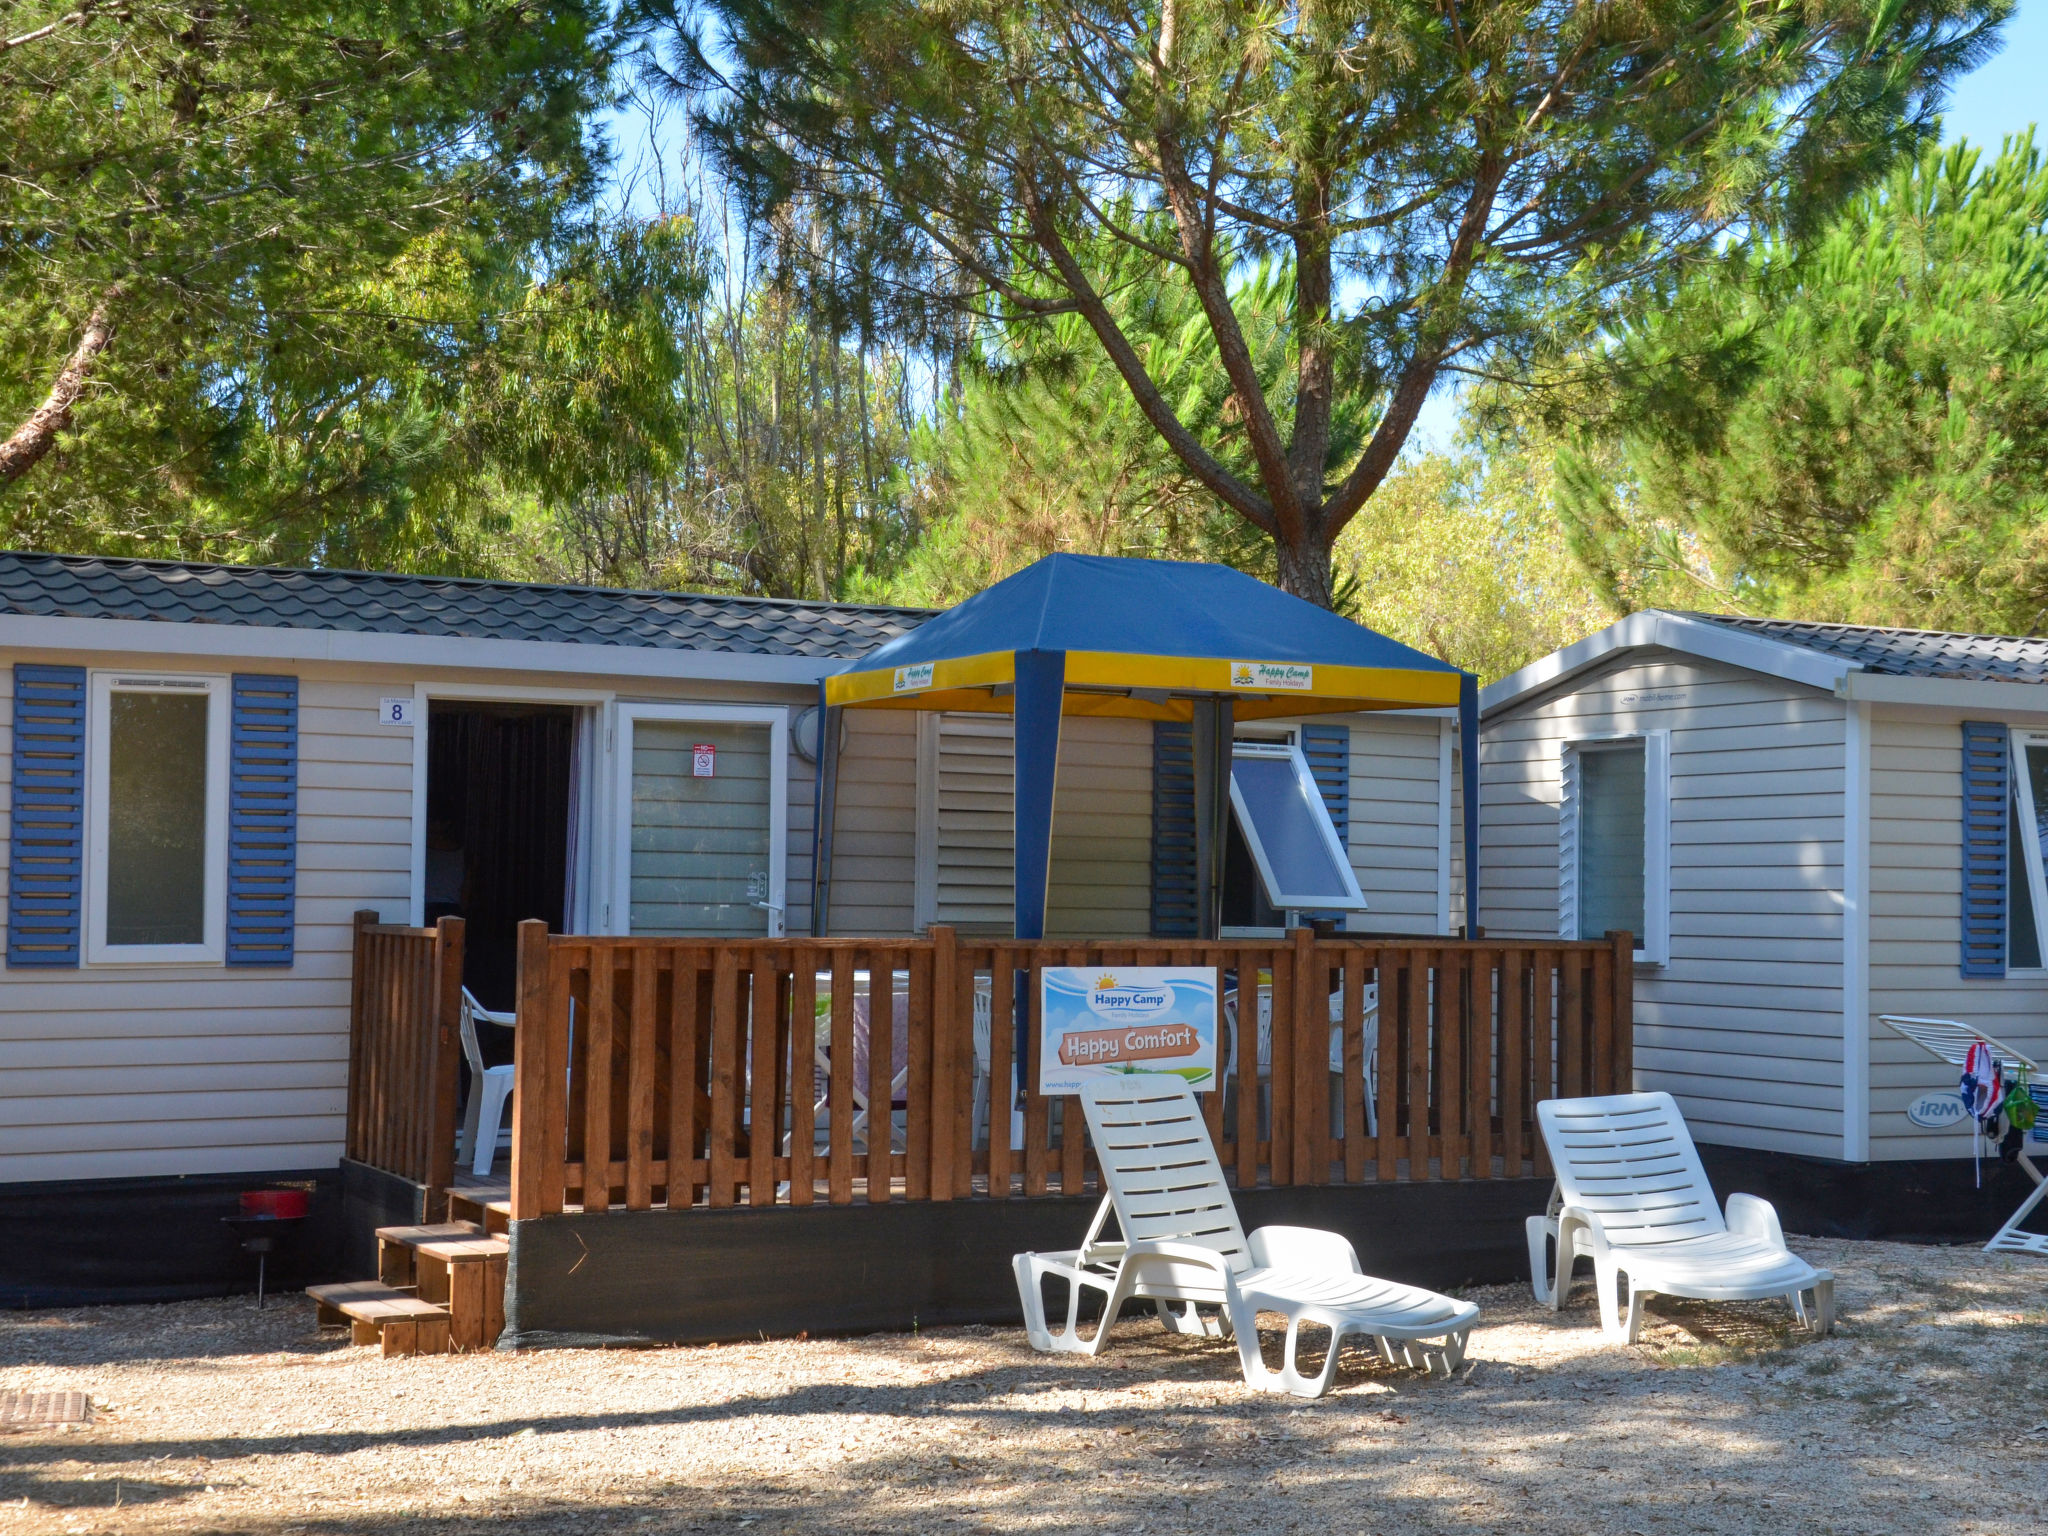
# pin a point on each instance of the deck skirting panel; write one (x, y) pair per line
(637, 1277)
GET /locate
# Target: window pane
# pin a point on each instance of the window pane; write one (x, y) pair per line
(156, 818)
(1288, 821)
(700, 842)
(1611, 841)
(2023, 938)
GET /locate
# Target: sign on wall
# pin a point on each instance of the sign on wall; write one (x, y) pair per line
(1113, 1020)
(704, 760)
(397, 711)
(1938, 1111)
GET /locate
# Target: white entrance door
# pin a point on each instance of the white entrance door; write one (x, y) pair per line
(703, 843)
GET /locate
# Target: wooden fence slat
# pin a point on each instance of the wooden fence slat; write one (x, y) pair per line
(1310, 1061)
(726, 1024)
(685, 1087)
(1449, 1075)
(1247, 1070)
(640, 1083)
(881, 1075)
(1395, 977)
(1543, 1035)
(803, 1047)
(1421, 980)
(1002, 1075)
(1514, 1083)
(1355, 1049)
(1624, 1016)
(1600, 1004)
(1037, 1113)
(1479, 1060)
(1571, 1026)
(600, 1072)
(839, 1108)
(764, 1040)
(921, 1136)
(1073, 1130)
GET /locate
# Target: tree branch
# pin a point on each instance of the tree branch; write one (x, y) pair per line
(38, 435)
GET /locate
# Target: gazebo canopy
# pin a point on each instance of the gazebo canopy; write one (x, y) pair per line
(1144, 638)
(1153, 640)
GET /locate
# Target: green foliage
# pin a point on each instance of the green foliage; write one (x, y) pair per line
(1856, 430)
(1455, 189)
(317, 230)
(1463, 555)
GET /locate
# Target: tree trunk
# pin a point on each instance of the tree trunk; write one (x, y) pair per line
(1305, 570)
(35, 437)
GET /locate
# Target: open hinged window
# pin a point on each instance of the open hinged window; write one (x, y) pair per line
(1286, 826)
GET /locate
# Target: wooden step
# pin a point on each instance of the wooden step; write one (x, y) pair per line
(382, 1314)
(468, 1274)
(486, 1206)
(396, 1246)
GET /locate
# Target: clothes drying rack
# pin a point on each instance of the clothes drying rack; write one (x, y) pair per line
(1950, 1041)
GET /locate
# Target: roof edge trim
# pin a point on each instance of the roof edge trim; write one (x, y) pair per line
(1656, 628)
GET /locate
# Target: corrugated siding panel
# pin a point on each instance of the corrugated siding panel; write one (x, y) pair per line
(1755, 975)
(263, 820)
(977, 850)
(46, 817)
(874, 843)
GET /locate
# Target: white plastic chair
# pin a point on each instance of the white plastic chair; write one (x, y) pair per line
(490, 1090)
(1183, 1246)
(1632, 1196)
(1369, 1024)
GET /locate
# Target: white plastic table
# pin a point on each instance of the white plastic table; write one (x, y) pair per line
(1950, 1041)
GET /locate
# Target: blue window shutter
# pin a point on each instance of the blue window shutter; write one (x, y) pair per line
(1987, 802)
(263, 820)
(46, 817)
(1327, 749)
(1173, 832)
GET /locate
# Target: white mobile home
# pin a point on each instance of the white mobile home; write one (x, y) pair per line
(1807, 826)
(210, 769)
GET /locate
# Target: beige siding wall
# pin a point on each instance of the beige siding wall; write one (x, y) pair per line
(1395, 811)
(874, 833)
(1744, 1024)
(127, 1071)
(1916, 816)
(1100, 883)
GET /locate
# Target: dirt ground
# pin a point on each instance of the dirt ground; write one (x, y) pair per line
(1927, 1412)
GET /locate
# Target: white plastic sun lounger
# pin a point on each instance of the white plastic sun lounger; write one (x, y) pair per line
(1632, 1196)
(1183, 1245)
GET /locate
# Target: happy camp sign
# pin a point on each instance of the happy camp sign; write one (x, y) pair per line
(1109, 1022)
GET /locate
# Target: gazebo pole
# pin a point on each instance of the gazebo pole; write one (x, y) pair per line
(1039, 691)
(1468, 750)
(824, 814)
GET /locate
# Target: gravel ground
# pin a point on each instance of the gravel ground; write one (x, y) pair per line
(1925, 1413)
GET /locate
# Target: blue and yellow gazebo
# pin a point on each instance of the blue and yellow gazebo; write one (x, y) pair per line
(1151, 640)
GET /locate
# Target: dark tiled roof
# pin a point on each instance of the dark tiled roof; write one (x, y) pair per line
(91, 587)
(1908, 652)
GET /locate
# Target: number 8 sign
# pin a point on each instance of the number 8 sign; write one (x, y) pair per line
(395, 711)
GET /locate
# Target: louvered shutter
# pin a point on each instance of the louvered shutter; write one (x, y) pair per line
(1328, 751)
(46, 817)
(263, 820)
(1174, 872)
(1987, 807)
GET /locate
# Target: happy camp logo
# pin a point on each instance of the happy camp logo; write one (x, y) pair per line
(1291, 676)
(1108, 999)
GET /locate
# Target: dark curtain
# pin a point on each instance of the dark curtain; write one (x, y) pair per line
(498, 792)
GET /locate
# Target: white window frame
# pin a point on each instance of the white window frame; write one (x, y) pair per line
(1653, 945)
(776, 718)
(102, 686)
(1290, 751)
(2030, 846)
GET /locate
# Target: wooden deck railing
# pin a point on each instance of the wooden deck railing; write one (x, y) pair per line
(646, 1066)
(405, 1049)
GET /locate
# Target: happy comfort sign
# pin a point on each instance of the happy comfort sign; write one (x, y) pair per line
(1097, 1022)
